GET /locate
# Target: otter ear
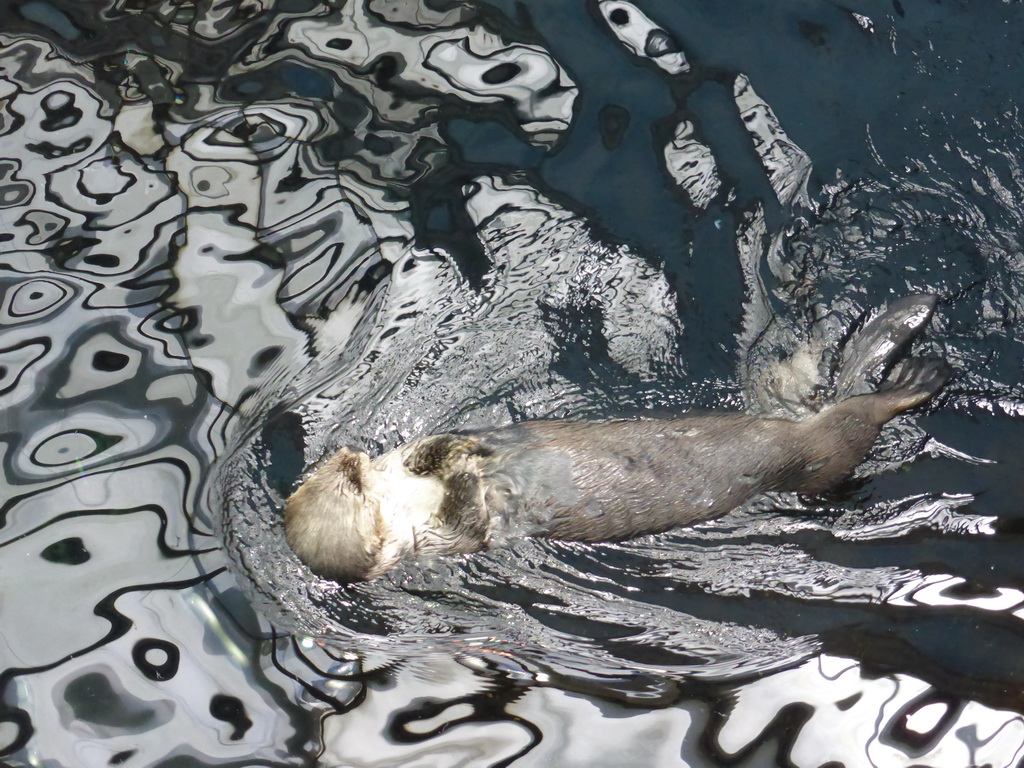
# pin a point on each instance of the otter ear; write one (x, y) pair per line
(349, 465)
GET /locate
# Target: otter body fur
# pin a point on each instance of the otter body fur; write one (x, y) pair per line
(581, 481)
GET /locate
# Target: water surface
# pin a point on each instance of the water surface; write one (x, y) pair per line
(236, 236)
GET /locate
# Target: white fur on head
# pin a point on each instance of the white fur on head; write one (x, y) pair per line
(353, 519)
(333, 520)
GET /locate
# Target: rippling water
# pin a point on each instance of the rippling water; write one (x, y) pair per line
(235, 236)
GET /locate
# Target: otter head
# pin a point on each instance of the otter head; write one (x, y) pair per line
(333, 521)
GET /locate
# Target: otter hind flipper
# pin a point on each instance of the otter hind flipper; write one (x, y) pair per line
(879, 341)
(914, 381)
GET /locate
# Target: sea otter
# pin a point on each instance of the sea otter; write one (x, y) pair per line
(356, 518)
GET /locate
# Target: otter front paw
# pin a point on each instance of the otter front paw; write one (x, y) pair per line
(444, 455)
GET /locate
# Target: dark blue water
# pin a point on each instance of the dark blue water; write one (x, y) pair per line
(236, 236)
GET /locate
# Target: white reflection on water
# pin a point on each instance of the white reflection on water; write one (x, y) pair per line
(859, 719)
(185, 259)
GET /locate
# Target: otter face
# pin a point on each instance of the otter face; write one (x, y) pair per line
(333, 520)
(354, 520)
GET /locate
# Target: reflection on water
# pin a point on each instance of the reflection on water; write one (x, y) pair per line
(236, 236)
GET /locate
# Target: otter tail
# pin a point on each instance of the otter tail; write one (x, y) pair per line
(914, 381)
(878, 342)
